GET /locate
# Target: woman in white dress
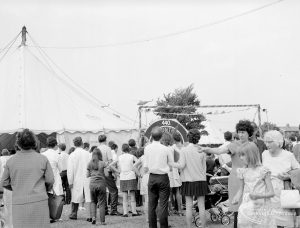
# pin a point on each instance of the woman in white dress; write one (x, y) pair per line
(279, 162)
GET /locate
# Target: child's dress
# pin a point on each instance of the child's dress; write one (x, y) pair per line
(254, 213)
(145, 178)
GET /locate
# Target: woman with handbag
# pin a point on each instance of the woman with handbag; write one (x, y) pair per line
(244, 130)
(29, 176)
(279, 162)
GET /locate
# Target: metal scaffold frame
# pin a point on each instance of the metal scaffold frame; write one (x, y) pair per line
(141, 107)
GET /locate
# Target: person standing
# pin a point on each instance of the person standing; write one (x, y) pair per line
(224, 159)
(157, 161)
(128, 182)
(78, 182)
(140, 166)
(280, 162)
(133, 148)
(29, 176)
(245, 130)
(109, 178)
(255, 190)
(55, 162)
(177, 146)
(7, 194)
(133, 151)
(193, 176)
(64, 156)
(97, 185)
(259, 143)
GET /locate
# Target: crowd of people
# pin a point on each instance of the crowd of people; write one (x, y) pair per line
(165, 176)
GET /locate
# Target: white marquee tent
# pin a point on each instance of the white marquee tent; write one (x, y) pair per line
(214, 136)
(34, 95)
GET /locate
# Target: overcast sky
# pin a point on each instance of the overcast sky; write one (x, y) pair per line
(249, 59)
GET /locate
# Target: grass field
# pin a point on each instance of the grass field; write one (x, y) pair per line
(120, 222)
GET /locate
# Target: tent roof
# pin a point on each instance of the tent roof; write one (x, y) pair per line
(34, 96)
(214, 136)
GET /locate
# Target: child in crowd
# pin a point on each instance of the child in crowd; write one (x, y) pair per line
(256, 190)
(97, 185)
(144, 176)
(175, 191)
(128, 182)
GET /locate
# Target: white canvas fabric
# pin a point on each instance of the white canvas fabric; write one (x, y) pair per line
(33, 96)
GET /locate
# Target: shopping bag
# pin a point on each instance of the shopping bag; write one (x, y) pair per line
(55, 204)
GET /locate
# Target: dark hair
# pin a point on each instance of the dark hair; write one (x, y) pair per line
(194, 136)
(166, 139)
(125, 148)
(131, 142)
(96, 157)
(236, 136)
(5, 152)
(114, 146)
(245, 125)
(102, 138)
(51, 142)
(140, 152)
(176, 137)
(156, 133)
(144, 141)
(71, 150)
(92, 148)
(86, 145)
(110, 143)
(77, 141)
(62, 146)
(26, 140)
(228, 136)
(293, 138)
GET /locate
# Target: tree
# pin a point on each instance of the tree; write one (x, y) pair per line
(267, 126)
(187, 116)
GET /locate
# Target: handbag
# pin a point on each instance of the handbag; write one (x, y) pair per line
(290, 198)
(55, 204)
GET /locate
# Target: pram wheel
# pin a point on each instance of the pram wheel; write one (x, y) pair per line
(213, 217)
(225, 220)
(198, 222)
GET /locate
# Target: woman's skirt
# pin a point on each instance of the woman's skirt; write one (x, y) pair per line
(31, 215)
(128, 185)
(195, 188)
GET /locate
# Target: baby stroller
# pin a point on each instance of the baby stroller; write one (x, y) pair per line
(216, 202)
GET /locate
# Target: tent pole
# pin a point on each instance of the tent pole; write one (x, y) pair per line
(24, 31)
(259, 116)
(140, 125)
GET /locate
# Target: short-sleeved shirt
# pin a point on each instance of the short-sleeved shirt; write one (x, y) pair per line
(97, 176)
(125, 162)
(106, 152)
(157, 157)
(283, 162)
